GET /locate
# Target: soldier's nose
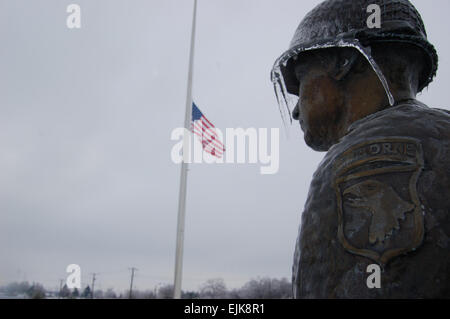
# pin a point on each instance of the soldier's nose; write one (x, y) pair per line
(296, 113)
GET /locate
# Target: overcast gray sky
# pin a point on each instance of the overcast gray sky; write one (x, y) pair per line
(85, 121)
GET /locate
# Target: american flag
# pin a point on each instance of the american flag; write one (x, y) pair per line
(206, 133)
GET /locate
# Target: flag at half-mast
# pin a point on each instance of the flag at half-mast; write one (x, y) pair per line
(206, 133)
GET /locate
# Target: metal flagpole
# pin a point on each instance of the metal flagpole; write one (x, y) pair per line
(184, 167)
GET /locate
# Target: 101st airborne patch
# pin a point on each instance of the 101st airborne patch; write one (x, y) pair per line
(379, 212)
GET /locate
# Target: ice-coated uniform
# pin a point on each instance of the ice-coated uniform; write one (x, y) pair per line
(380, 196)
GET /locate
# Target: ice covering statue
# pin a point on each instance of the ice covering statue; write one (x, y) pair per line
(381, 195)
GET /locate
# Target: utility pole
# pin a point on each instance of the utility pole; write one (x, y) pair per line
(131, 283)
(60, 288)
(93, 282)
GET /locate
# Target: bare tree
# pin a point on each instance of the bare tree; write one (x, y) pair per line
(190, 295)
(165, 292)
(213, 289)
(16, 288)
(147, 294)
(98, 294)
(36, 291)
(266, 288)
(110, 294)
(65, 292)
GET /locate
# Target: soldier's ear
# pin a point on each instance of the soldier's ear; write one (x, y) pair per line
(344, 63)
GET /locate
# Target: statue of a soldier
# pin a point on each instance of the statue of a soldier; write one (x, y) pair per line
(381, 196)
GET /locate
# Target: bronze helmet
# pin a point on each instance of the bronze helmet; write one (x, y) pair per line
(343, 23)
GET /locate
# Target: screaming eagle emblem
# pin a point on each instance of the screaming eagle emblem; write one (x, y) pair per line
(380, 215)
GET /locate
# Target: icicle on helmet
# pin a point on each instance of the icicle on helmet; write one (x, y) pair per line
(343, 23)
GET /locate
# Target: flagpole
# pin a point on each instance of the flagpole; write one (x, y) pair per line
(184, 167)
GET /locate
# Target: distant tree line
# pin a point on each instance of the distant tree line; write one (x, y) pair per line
(24, 289)
(259, 288)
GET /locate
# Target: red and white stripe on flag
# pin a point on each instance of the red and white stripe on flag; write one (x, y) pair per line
(206, 133)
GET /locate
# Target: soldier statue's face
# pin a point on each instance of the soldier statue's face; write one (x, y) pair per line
(334, 91)
(320, 104)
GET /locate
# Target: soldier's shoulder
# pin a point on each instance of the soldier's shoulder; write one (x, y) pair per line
(412, 119)
(410, 123)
